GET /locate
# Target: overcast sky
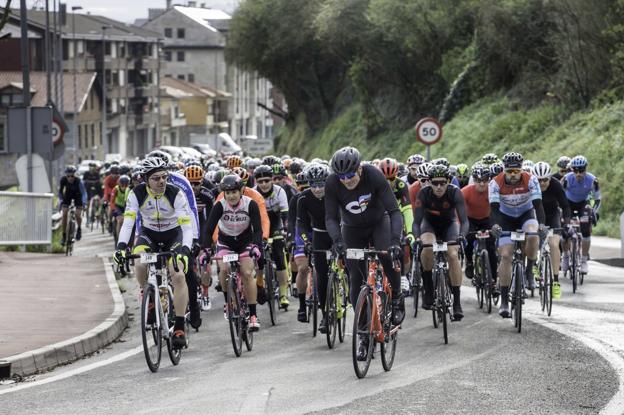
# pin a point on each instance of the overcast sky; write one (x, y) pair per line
(122, 10)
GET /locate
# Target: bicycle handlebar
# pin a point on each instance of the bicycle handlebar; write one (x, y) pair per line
(165, 254)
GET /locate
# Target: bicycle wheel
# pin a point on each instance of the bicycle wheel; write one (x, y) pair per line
(487, 280)
(151, 334)
(268, 283)
(443, 292)
(362, 330)
(234, 317)
(69, 241)
(388, 346)
(314, 305)
(574, 265)
(342, 322)
(416, 281)
(174, 354)
(331, 308)
(542, 282)
(247, 334)
(518, 276)
(548, 284)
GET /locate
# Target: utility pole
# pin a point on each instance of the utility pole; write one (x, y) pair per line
(75, 49)
(104, 86)
(25, 58)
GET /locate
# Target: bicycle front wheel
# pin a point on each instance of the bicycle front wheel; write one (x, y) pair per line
(174, 354)
(314, 305)
(574, 266)
(416, 281)
(342, 298)
(270, 290)
(487, 280)
(442, 309)
(331, 301)
(151, 331)
(234, 317)
(388, 350)
(548, 284)
(363, 332)
(518, 276)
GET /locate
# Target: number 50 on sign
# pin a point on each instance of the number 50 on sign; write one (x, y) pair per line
(428, 131)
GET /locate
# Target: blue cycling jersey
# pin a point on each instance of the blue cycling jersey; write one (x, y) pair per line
(578, 192)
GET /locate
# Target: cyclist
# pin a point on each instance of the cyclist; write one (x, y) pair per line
(118, 198)
(110, 182)
(444, 162)
(463, 175)
(478, 212)
(515, 203)
(563, 165)
(390, 168)
(423, 180)
(313, 232)
(164, 219)
(240, 231)
(413, 162)
(93, 184)
(579, 186)
(295, 243)
(233, 161)
(554, 201)
(361, 210)
(439, 206)
(280, 177)
(527, 166)
(277, 208)
(204, 202)
(71, 188)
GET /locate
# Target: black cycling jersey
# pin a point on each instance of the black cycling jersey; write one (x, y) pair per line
(554, 198)
(290, 190)
(204, 202)
(292, 214)
(92, 184)
(440, 211)
(363, 206)
(70, 191)
(310, 213)
(558, 176)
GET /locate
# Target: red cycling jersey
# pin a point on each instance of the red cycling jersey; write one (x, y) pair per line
(109, 184)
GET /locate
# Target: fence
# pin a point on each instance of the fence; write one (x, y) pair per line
(25, 218)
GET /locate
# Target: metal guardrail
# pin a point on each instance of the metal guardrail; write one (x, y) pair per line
(25, 218)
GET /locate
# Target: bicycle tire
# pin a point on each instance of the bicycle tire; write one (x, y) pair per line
(416, 283)
(542, 282)
(69, 242)
(331, 307)
(518, 292)
(268, 282)
(485, 265)
(548, 284)
(363, 309)
(443, 306)
(342, 324)
(234, 317)
(388, 346)
(314, 306)
(155, 331)
(174, 354)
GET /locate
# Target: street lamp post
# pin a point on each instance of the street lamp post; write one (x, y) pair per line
(104, 86)
(75, 115)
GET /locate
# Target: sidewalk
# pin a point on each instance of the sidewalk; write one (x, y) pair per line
(55, 309)
(603, 247)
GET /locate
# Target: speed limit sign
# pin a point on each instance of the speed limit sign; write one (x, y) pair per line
(57, 131)
(428, 131)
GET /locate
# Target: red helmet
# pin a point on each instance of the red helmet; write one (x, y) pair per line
(389, 167)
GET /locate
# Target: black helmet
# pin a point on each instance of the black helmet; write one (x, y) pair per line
(563, 162)
(231, 182)
(480, 172)
(70, 169)
(114, 170)
(438, 170)
(317, 173)
(160, 154)
(346, 160)
(513, 160)
(441, 161)
(279, 170)
(295, 167)
(124, 180)
(271, 160)
(124, 169)
(263, 171)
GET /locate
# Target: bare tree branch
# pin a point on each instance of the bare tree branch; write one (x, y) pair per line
(5, 15)
(279, 113)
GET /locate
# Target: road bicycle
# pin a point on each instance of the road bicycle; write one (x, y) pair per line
(576, 242)
(157, 310)
(270, 279)
(483, 281)
(372, 321)
(237, 307)
(546, 273)
(312, 298)
(93, 218)
(336, 301)
(414, 277)
(70, 230)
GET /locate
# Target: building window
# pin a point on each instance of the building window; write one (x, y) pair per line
(181, 77)
(180, 56)
(191, 77)
(167, 75)
(92, 134)
(168, 55)
(168, 32)
(181, 33)
(2, 140)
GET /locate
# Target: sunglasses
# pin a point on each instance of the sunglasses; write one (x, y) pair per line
(278, 178)
(544, 180)
(263, 181)
(578, 170)
(159, 178)
(438, 183)
(69, 176)
(195, 184)
(482, 180)
(317, 185)
(513, 171)
(347, 176)
(423, 180)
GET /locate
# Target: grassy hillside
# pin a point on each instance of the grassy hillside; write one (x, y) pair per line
(495, 124)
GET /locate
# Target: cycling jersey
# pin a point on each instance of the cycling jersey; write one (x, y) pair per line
(182, 182)
(204, 202)
(578, 192)
(363, 206)
(514, 199)
(238, 226)
(439, 212)
(276, 204)
(310, 213)
(477, 203)
(264, 216)
(109, 184)
(290, 190)
(292, 215)
(401, 193)
(159, 213)
(554, 198)
(72, 191)
(414, 188)
(92, 183)
(119, 196)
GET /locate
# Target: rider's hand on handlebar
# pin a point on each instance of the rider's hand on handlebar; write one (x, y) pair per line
(120, 256)
(496, 231)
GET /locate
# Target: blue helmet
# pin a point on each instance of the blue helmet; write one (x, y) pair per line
(578, 162)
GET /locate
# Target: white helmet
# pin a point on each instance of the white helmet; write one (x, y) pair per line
(527, 165)
(541, 170)
(423, 171)
(152, 164)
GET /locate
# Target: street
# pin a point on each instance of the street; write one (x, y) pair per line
(568, 363)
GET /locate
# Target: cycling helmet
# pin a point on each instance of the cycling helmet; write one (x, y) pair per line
(231, 182)
(192, 162)
(124, 169)
(443, 161)
(389, 167)
(317, 173)
(271, 160)
(402, 170)
(263, 171)
(114, 170)
(284, 157)
(527, 165)
(563, 162)
(70, 169)
(453, 170)
(346, 160)
(438, 170)
(541, 170)
(415, 159)
(462, 170)
(302, 181)
(287, 162)
(489, 159)
(151, 165)
(279, 170)
(423, 171)
(194, 173)
(213, 167)
(513, 160)
(578, 162)
(296, 167)
(242, 173)
(480, 172)
(497, 168)
(218, 176)
(160, 154)
(124, 180)
(253, 163)
(92, 164)
(233, 161)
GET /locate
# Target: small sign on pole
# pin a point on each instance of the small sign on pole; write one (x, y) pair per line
(428, 132)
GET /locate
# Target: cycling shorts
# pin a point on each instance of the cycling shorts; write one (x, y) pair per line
(76, 197)
(584, 212)
(148, 240)
(278, 254)
(118, 211)
(443, 232)
(511, 224)
(553, 221)
(299, 244)
(223, 250)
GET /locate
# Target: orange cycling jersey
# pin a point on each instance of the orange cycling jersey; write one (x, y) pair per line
(264, 217)
(414, 188)
(477, 203)
(109, 185)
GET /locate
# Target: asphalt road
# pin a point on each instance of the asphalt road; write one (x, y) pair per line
(569, 363)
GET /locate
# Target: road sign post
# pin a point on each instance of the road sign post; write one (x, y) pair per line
(428, 132)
